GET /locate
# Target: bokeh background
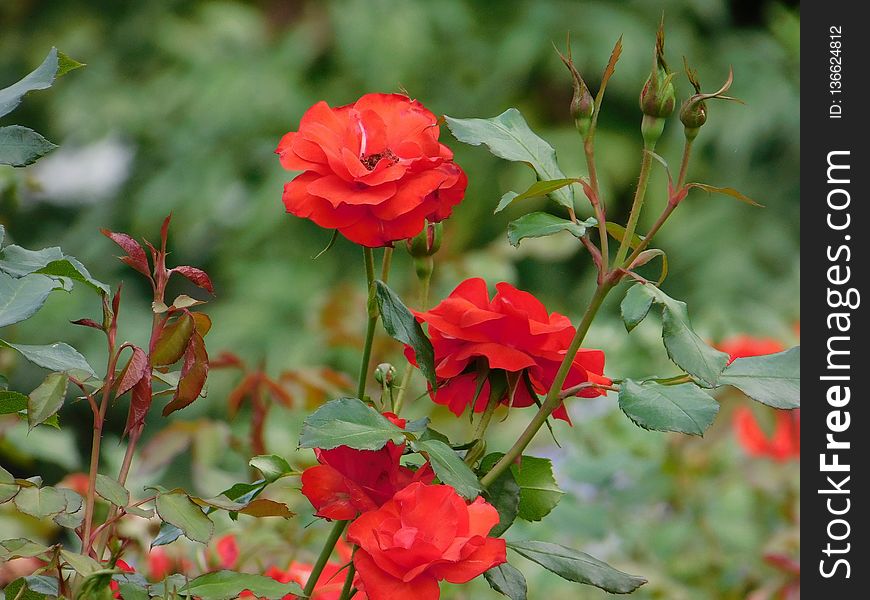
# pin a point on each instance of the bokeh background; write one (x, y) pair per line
(179, 110)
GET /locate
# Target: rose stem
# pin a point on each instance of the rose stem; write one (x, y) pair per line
(553, 400)
(589, 150)
(331, 541)
(99, 418)
(637, 205)
(409, 368)
(346, 589)
(372, 309)
(671, 206)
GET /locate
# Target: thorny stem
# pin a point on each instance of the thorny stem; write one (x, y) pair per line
(637, 204)
(588, 148)
(325, 553)
(553, 399)
(347, 589)
(385, 265)
(370, 323)
(99, 419)
(339, 526)
(684, 165)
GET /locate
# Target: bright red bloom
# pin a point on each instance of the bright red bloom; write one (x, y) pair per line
(328, 587)
(113, 585)
(513, 332)
(426, 533)
(374, 170)
(227, 551)
(348, 482)
(783, 445)
(743, 346)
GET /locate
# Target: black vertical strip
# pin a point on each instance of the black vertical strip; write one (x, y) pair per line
(835, 48)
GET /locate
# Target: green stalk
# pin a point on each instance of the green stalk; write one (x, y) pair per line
(370, 323)
(553, 399)
(409, 369)
(684, 165)
(347, 588)
(325, 553)
(637, 204)
(589, 150)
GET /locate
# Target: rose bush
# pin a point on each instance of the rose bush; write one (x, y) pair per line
(373, 170)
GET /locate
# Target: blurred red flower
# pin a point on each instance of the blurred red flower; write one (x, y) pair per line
(514, 333)
(783, 445)
(348, 481)
(424, 534)
(785, 442)
(374, 170)
(742, 346)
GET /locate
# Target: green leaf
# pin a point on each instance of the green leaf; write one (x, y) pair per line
(224, 585)
(58, 357)
(617, 232)
(21, 548)
(577, 566)
(503, 494)
(40, 502)
(65, 64)
(43, 584)
(21, 298)
(635, 306)
(131, 591)
(47, 399)
(772, 379)
(684, 346)
(167, 534)
(74, 513)
(449, 468)
(84, 565)
(508, 136)
(12, 403)
(538, 492)
(72, 268)
(109, 489)
(539, 188)
(507, 580)
(18, 261)
(179, 510)
(348, 422)
(39, 79)
(20, 590)
(402, 326)
(272, 466)
(682, 408)
(727, 191)
(540, 224)
(21, 146)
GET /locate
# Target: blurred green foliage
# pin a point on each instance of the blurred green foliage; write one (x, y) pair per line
(197, 95)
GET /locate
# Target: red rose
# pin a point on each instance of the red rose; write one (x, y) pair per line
(374, 170)
(743, 346)
(783, 445)
(512, 332)
(426, 533)
(348, 482)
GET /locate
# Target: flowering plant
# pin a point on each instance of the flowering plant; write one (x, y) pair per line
(410, 507)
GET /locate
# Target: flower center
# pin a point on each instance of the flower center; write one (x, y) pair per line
(370, 161)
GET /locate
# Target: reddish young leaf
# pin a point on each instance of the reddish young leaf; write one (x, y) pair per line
(226, 360)
(87, 323)
(134, 371)
(140, 403)
(135, 254)
(164, 232)
(194, 372)
(197, 276)
(240, 392)
(173, 340)
(262, 507)
(278, 393)
(202, 322)
(116, 301)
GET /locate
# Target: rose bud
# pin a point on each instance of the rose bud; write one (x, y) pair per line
(657, 99)
(427, 242)
(582, 103)
(693, 112)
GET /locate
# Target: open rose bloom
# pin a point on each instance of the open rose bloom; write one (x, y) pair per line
(514, 333)
(424, 534)
(374, 170)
